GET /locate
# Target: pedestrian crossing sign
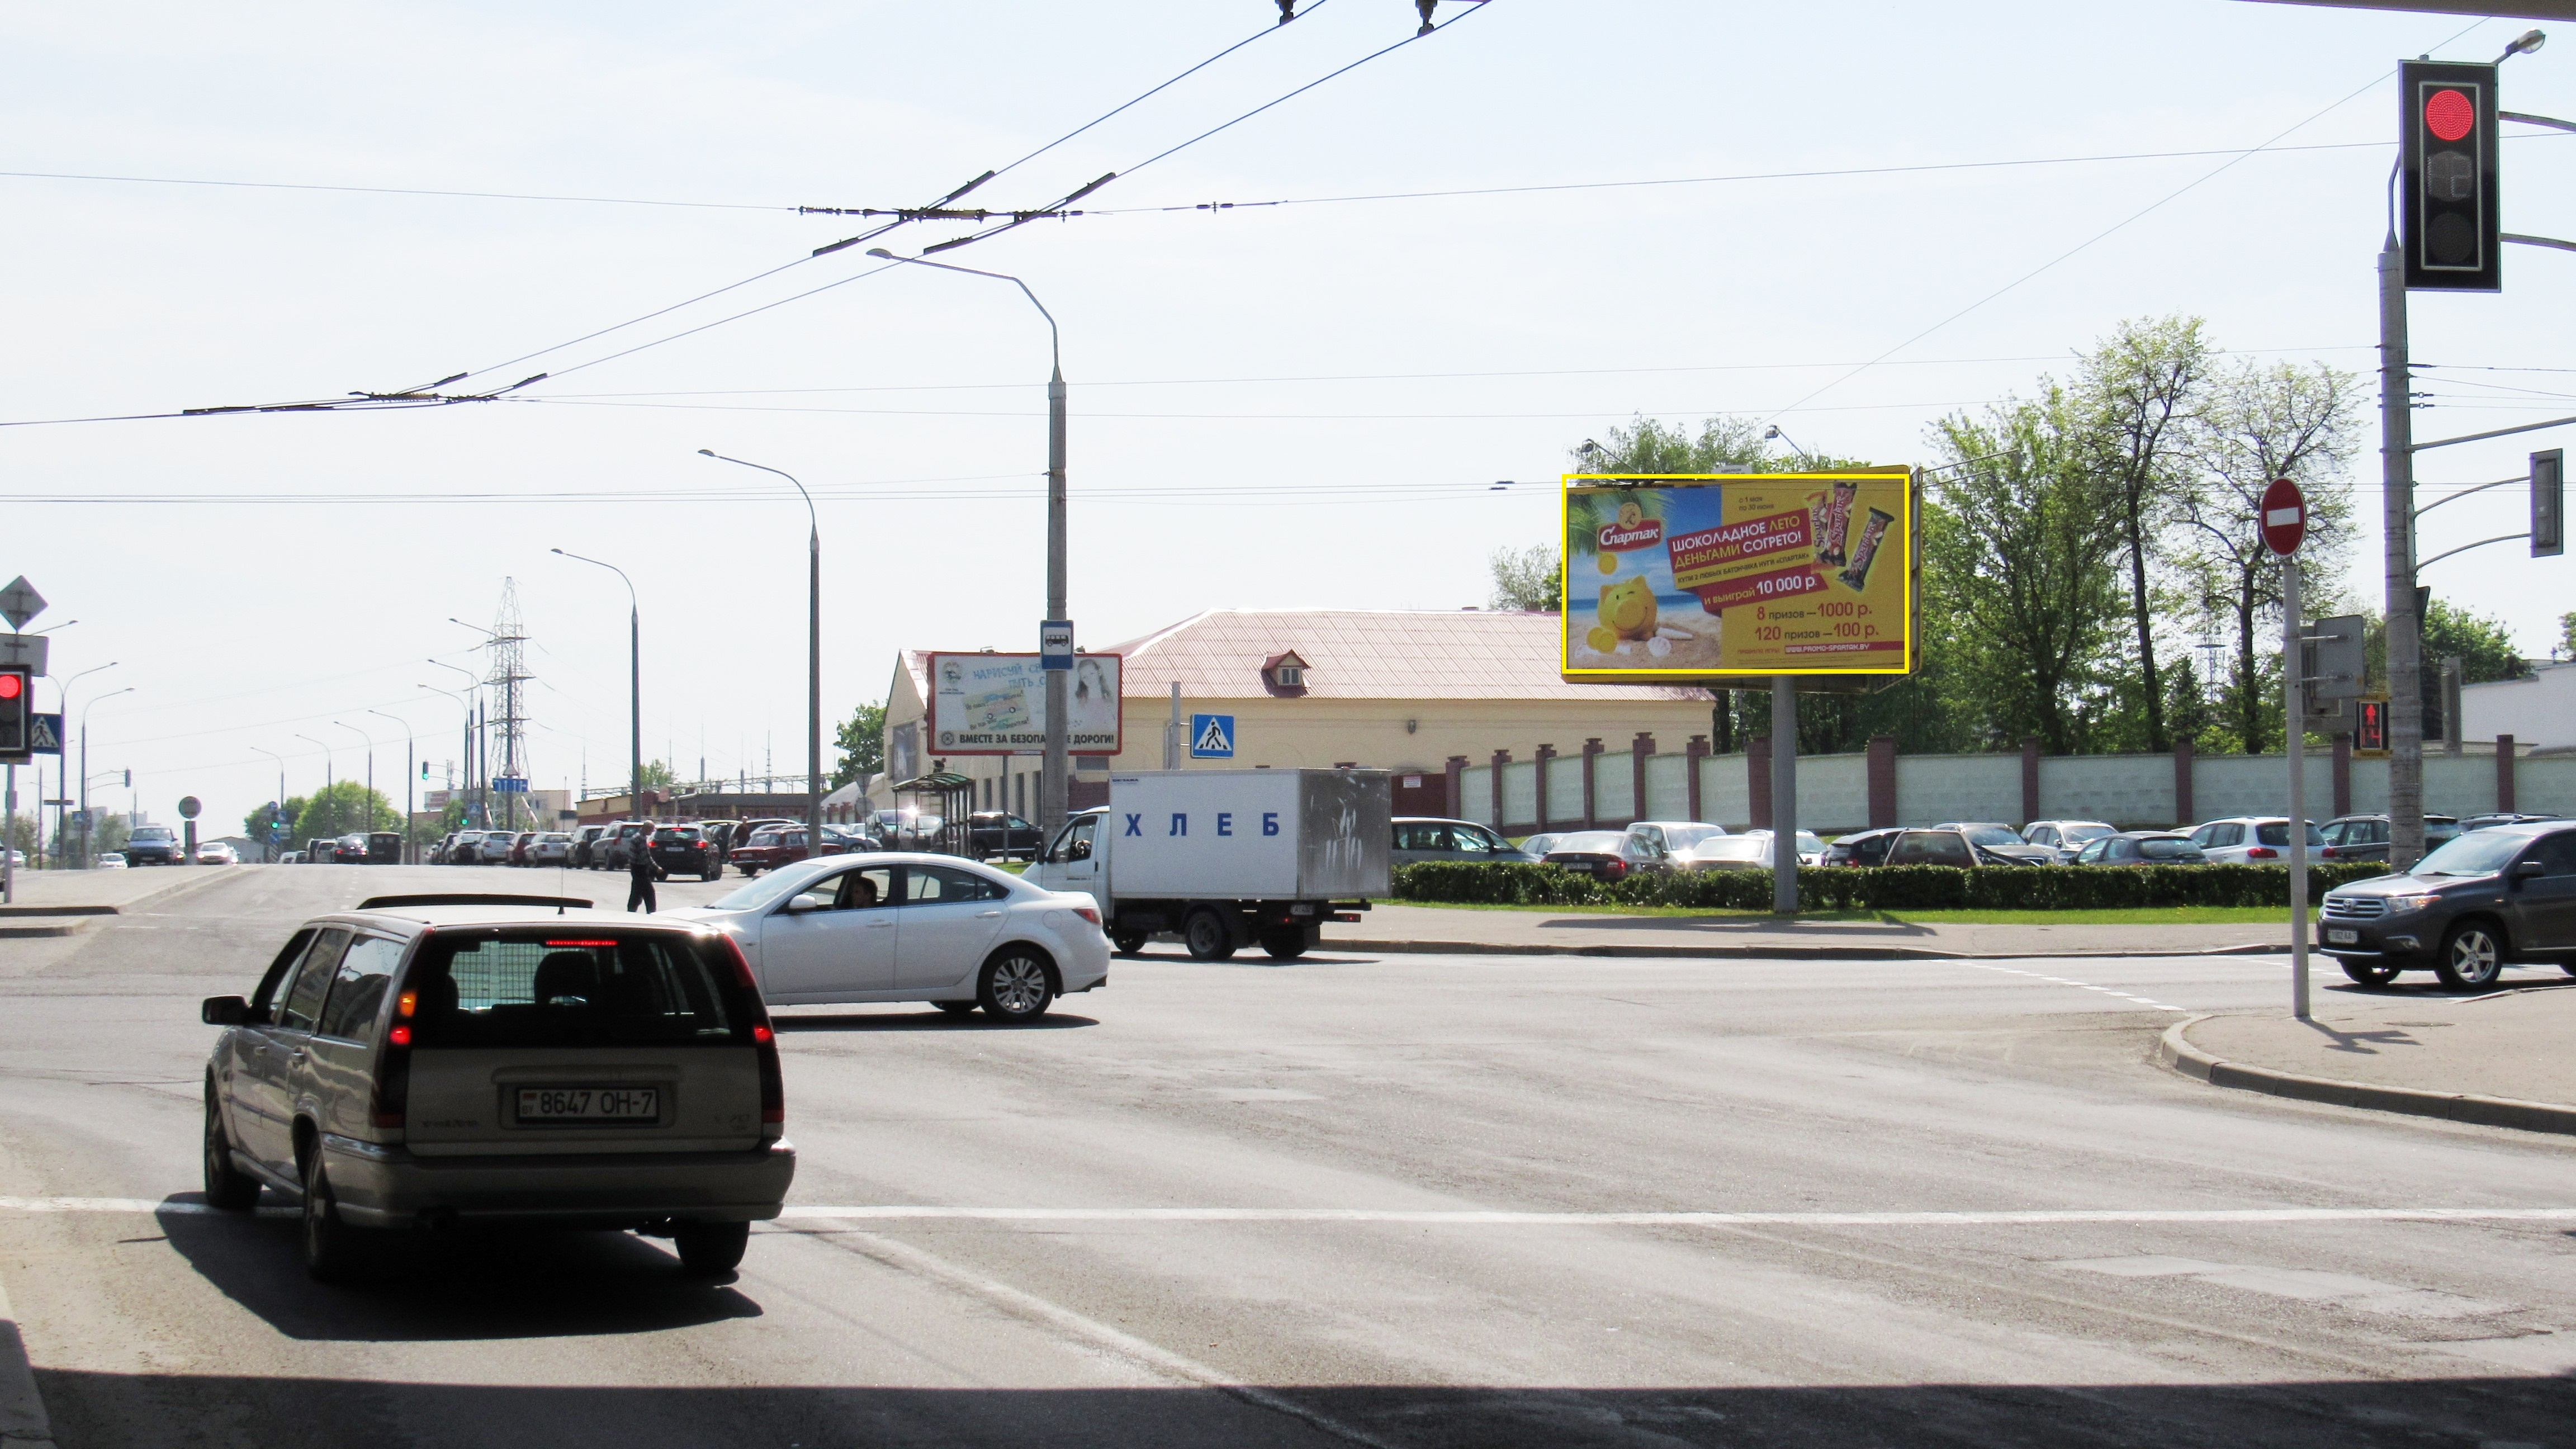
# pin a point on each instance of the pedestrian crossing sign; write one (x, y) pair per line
(1211, 737)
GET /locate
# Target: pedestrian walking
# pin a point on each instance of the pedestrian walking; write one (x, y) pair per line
(643, 871)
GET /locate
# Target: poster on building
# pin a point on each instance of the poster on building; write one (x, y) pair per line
(1673, 579)
(995, 704)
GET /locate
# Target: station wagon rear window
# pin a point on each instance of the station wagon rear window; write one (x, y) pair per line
(578, 987)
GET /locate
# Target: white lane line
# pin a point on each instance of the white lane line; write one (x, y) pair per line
(1153, 1357)
(2146, 1001)
(1505, 1217)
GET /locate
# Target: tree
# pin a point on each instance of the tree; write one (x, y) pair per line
(2484, 646)
(2018, 554)
(2566, 636)
(1526, 578)
(344, 807)
(657, 774)
(2263, 423)
(2138, 391)
(860, 739)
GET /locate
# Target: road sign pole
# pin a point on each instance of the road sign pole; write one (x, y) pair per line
(9, 845)
(2295, 729)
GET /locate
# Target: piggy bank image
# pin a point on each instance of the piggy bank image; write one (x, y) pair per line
(1628, 609)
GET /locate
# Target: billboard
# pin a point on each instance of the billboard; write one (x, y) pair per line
(995, 704)
(1674, 579)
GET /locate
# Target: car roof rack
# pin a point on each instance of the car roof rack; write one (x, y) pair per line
(470, 898)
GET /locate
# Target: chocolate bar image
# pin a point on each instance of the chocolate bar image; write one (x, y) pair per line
(1865, 552)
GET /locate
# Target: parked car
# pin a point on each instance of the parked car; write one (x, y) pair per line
(609, 851)
(2365, 837)
(2066, 837)
(776, 845)
(1421, 838)
(215, 852)
(2492, 897)
(685, 850)
(519, 844)
(2252, 839)
(2003, 843)
(639, 1080)
(1750, 850)
(1608, 855)
(350, 849)
(111, 860)
(999, 835)
(495, 848)
(551, 847)
(465, 847)
(1536, 847)
(1862, 847)
(292, 857)
(1675, 837)
(2485, 822)
(154, 845)
(912, 927)
(384, 847)
(1952, 846)
(2141, 847)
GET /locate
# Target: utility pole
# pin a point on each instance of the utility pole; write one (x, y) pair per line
(2397, 527)
(1784, 795)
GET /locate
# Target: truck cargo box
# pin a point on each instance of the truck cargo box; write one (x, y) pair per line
(1249, 835)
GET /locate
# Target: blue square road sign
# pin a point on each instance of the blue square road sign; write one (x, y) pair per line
(1211, 737)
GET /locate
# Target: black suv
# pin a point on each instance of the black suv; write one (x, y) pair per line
(154, 845)
(998, 834)
(2489, 898)
(685, 850)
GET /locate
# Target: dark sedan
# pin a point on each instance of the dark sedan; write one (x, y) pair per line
(2141, 847)
(2490, 898)
(1863, 847)
(2365, 837)
(774, 846)
(1607, 855)
(1956, 846)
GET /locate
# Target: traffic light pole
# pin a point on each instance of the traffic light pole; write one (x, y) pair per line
(2405, 640)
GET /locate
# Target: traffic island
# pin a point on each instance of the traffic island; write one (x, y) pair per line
(2498, 1059)
(1454, 931)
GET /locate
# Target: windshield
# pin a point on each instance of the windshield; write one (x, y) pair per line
(2278, 833)
(2480, 852)
(2078, 834)
(1735, 847)
(770, 889)
(152, 832)
(1990, 835)
(1590, 842)
(1683, 837)
(2165, 848)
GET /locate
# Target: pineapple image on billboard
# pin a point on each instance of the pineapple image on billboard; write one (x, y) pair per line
(1669, 579)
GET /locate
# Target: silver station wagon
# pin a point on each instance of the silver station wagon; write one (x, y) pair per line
(432, 1061)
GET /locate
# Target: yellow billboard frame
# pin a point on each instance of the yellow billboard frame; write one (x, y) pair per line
(1910, 480)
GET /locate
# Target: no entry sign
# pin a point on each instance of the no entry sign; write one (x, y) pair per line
(2284, 517)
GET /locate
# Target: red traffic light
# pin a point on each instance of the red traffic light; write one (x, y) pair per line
(2450, 115)
(12, 685)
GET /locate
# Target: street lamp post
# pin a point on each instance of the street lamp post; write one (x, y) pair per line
(1054, 777)
(326, 783)
(813, 650)
(367, 806)
(271, 847)
(634, 684)
(408, 776)
(471, 682)
(62, 790)
(84, 765)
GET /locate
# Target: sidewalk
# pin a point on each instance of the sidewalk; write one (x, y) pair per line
(2499, 1059)
(61, 902)
(1572, 933)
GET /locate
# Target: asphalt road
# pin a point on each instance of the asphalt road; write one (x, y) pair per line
(1411, 1201)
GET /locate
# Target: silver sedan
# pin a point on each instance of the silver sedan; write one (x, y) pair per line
(912, 927)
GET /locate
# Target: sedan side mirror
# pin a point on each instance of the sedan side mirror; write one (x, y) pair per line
(223, 1011)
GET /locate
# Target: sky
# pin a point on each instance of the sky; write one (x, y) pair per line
(1305, 403)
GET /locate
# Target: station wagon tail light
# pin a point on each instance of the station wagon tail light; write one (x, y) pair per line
(392, 1095)
(764, 1039)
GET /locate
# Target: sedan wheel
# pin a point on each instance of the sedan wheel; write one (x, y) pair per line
(1015, 987)
(2472, 957)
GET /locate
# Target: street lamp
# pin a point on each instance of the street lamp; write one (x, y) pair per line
(281, 791)
(469, 740)
(634, 685)
(326, 782)
(84, 753)
(813, 650)
(1053, 777)
(407, 782)
(1773, 431)
(62, 790)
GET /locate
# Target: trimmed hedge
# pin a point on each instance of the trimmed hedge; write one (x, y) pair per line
(1882, 888)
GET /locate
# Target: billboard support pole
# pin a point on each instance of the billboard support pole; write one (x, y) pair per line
(1784, 795)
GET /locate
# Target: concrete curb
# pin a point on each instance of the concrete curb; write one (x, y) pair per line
(2175, 1050)
(22, 1410)
(54, 928)
(1759, 953)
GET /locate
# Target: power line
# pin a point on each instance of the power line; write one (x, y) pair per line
(391, 191)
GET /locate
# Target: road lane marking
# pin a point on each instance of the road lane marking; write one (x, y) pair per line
(2367, 1295)
(2148, 1002)
(1100, 1336)
(1500, 1217)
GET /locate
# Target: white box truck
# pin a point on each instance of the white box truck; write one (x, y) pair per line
(1228, 858)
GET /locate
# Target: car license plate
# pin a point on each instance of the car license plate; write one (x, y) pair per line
(590, 1104)
(2342, 938)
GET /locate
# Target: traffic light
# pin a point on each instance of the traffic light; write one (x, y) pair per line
(2372, 735)
(17, 700)
(2447, 189)
(2549, 503)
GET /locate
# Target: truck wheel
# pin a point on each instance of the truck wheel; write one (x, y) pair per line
(1208, 934)
(1131, 942)
(1285, 945)
(2472, 957)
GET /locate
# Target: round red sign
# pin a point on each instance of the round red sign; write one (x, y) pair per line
(2283, 515)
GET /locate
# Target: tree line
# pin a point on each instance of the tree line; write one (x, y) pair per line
(2092, 571)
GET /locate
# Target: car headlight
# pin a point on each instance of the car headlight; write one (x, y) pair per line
(2399, 905)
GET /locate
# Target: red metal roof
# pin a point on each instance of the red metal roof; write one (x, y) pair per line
(1365, 654)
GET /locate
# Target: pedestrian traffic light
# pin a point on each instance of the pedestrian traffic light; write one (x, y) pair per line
(2447, 184)
(2371, 737)
(17, 700)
